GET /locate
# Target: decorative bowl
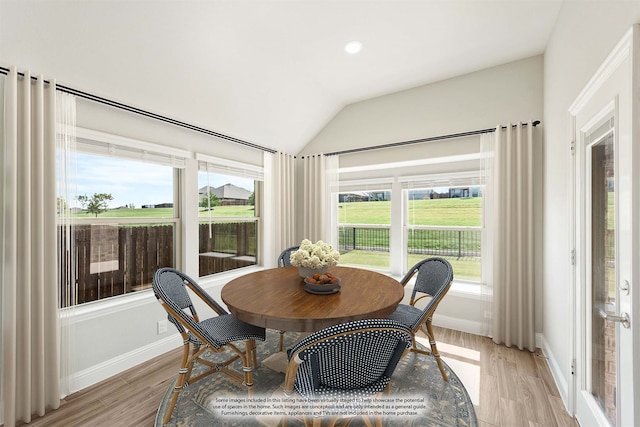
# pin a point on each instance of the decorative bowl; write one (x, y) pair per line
(321, 288)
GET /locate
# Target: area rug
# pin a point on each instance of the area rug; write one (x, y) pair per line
(419, 397)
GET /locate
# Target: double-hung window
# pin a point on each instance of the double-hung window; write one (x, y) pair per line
(444, 218)
(124, 217)
(229, 195)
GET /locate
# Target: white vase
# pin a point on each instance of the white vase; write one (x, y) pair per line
(308, 272)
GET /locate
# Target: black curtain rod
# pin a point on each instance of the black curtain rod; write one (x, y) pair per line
(149, 114)
(416, 141)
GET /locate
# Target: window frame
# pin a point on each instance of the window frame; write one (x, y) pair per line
(217, 165)
(104, 144)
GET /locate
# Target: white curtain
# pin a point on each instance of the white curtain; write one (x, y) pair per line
(66, 191)
(486, 176)
(279, 195)
(319, 174)
(509, 279)
(30, 331)
(332, 166)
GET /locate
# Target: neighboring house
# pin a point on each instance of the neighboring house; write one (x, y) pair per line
(354, 196)
(228, 194)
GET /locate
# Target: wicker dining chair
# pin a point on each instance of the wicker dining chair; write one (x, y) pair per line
(216, 334)
(434, 277)
(350, 361)
(283, 258)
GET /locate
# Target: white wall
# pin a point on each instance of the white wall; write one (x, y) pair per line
(584, 34)
(506, 93)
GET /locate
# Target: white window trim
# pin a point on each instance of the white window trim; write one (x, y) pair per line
(122, 146)
(219, 165)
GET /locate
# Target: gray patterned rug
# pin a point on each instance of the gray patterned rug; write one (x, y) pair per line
(419, 397)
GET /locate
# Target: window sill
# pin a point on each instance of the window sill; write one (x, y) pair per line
(96, 309)
(100, 308)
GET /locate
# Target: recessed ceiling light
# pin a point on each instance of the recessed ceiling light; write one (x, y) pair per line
(353, 47)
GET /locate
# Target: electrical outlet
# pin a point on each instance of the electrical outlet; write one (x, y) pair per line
(162, 326)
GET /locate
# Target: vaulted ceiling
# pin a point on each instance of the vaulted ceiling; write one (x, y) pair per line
(272, 72)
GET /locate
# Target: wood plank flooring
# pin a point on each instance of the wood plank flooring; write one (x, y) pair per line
(509, 388)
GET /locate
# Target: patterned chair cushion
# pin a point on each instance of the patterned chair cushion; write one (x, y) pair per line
(336, 363)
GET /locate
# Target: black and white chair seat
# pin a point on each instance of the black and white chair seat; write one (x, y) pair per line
(349, 361)
(217, 334)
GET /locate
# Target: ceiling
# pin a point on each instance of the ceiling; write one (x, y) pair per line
(272, 72)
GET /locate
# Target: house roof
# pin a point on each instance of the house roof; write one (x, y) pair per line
(227, 191)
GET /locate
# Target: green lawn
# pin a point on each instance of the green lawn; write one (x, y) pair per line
(439, 212)
(218, 211)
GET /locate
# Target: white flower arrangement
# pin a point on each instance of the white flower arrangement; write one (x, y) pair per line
(314, 255)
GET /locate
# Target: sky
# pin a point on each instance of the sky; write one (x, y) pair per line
(135, 182)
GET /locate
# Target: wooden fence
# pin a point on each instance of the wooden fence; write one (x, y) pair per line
(231, 245)
(110, 260)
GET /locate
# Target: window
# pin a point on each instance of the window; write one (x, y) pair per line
(364, 222)
(228, 230)
(446, 222)
(123, 216)
(390, 220)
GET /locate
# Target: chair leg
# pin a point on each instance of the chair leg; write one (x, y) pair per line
(248, 365)
(434, 350)
(183, 373)
(254, 358)
(281, 347)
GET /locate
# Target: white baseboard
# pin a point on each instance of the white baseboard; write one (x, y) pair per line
(457, 324)
(556, 372)
(109, 368)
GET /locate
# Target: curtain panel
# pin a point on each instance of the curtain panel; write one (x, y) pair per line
(313, 194)
(279, 206)
(319, 209)
(509, 280)
(30, 321)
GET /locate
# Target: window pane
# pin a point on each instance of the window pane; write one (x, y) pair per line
(113, 259)
(364, 219)
(445, 206)
(123, 228)
(137, 189)
(446, 222)
(228, 223)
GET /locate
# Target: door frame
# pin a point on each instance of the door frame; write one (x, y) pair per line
(627, 48)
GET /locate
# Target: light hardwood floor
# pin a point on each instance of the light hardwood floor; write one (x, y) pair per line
(509, 387)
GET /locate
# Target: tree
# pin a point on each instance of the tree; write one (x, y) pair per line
(252, 199)
(95, 204)
(211, 201)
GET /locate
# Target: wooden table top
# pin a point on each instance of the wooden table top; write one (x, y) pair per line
(276, 299)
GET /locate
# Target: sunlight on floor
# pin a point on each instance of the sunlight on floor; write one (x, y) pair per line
(464, 362)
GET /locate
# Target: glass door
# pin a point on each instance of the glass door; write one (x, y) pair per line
(602, 375)
(607, 238)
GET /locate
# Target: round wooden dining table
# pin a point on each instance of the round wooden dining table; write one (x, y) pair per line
(276, 299)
